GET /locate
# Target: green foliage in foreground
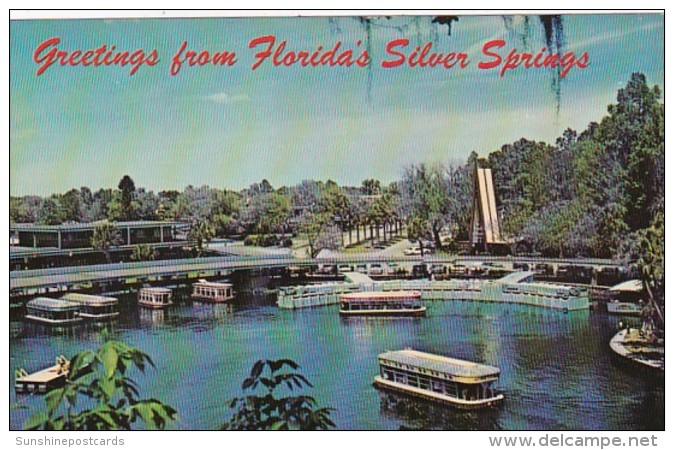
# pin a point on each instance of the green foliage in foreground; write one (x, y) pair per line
(100, 395)
(271, 411)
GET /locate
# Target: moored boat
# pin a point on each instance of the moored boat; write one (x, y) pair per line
(394, 303)
(640, 350)
(94, 306)
(464, 384)
(626, 298)
(212, 292)
(154, 297)
(625, 308)
(53, 311)
(43, 380)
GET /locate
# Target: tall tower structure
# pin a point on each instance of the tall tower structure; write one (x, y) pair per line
(485, 231)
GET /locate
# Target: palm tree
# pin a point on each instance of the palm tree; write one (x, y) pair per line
(105, 236)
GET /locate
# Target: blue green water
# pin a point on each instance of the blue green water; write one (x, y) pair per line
(556, 368)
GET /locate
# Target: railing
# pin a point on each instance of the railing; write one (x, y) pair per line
(23, 279)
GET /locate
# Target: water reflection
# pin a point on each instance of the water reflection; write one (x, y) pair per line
(417, 414)
(152, 317)
(213, 312)
(556, 369)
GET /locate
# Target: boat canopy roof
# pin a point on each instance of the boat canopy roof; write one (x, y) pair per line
(156, 290)
(52, 304)
(440, 363)
(213, 284)
(627, 286)
(380, 296)
(89, 299)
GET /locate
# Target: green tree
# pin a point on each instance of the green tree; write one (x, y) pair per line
(427, 192)
(105, 237)
(24, 209)
(315, 228)
(644, 251)
(201, 232)
(338, 207)
(263, 408)
(51, 212)
(70, 205)
(273, 212)
(371, 187)
(128, 189)
(417, 230)
(100, 394)
(143, 252)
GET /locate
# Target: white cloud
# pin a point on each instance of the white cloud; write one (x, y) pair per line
(225, 98)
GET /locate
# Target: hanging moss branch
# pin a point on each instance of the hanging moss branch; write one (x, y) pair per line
(553, 29)
(446, 20)
(547, 22)
(366, 22)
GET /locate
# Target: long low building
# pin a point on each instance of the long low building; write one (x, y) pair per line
(69, 236)
(42, 246)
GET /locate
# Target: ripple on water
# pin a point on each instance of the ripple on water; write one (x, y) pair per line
(555, 369)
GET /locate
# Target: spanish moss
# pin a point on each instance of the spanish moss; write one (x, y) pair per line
(446, 20)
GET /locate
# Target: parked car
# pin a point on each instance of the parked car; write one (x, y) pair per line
(394, 269)
(376, 269)
(520, 266)
(438, 269)
(412, 251)
(327, 269)
(419, 270)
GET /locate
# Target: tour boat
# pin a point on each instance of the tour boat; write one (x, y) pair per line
(626, 308)
(395, 303)
(464, 384)
(626, 298)
(94, 306)
(154, 297)
(53, 311)
(211, 291)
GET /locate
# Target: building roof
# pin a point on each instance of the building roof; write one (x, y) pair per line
(156, 290)
(627, 286)
(80, 226)
(440, 363)
(89, 299)
(52, 304)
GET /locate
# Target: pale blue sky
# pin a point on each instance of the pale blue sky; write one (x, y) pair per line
(229, 126)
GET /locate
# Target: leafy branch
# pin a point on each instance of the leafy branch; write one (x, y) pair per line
(99, 394)
(264, 409)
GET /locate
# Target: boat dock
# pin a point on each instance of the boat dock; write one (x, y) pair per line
(517, 288)
(42, 381)
(314, 295)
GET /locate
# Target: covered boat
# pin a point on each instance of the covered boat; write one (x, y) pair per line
(464, 384)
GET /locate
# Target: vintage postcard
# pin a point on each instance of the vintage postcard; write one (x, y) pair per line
(381, 222)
